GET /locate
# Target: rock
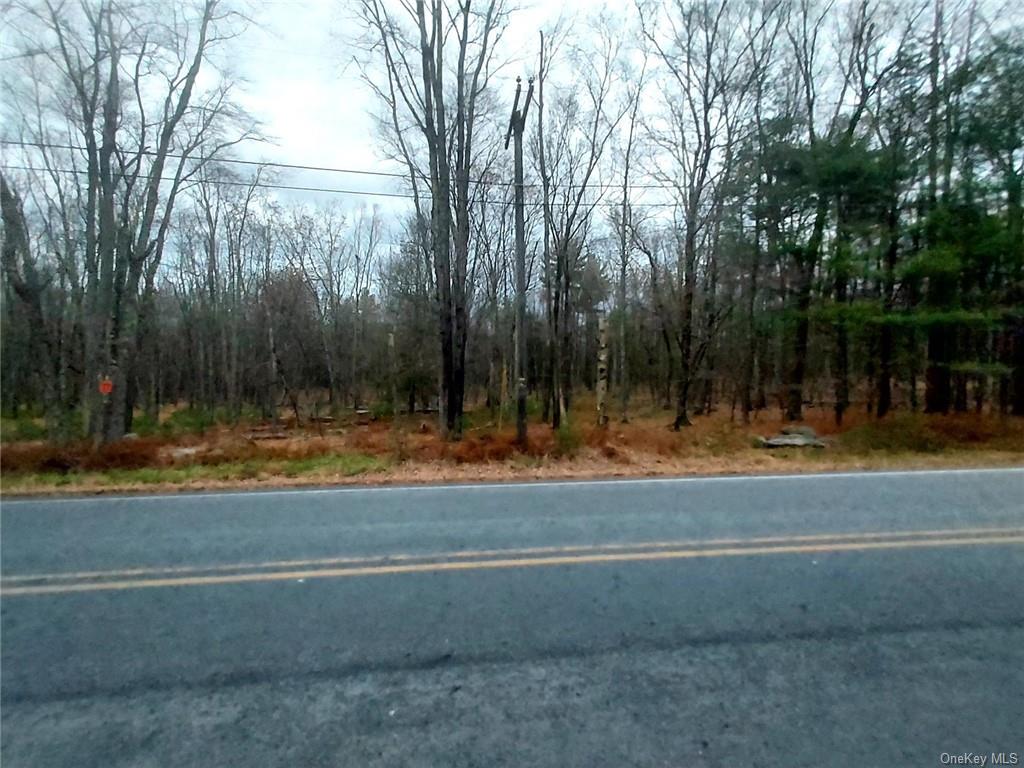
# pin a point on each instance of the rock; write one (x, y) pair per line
(183, 453)
(791, 441)
(131, 436)
(799, 429)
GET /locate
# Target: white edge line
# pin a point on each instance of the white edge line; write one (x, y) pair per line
(227, 493)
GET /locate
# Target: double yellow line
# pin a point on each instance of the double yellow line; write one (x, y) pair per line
(490, 559)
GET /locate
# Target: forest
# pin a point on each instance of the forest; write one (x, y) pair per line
(726, 205)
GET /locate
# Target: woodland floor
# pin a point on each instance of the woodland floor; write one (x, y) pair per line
(409, 450)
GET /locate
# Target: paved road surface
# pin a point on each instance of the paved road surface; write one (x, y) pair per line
(847, 620)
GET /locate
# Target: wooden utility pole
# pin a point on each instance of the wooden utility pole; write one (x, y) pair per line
(516, 125)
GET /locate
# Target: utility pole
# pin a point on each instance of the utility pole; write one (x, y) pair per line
(516, 125)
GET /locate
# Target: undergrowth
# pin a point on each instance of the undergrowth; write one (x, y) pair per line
(21, 427)
(917, 433)
(338, 465)
(174, 452)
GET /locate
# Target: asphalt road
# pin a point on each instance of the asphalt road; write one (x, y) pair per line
(843, 620)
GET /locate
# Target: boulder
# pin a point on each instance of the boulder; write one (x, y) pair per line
(799, 429)
(791, 441)
(186, 452)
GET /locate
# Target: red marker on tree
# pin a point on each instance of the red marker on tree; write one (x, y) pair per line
(106, 386)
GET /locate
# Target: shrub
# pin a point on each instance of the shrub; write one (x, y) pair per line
(567, 441)
(906, 432)
(36, 457)
(188, 421)
(382, 409)
(474, 449)
(125, 454)
(22, 427)
(50, 457)
(399, 445)
(145, 426)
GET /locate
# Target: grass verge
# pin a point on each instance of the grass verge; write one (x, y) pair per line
(326, 467)
(363, 469)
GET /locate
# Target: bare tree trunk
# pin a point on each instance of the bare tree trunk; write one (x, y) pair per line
(271, 398)
(747, 385)
(566, 349)
(28, 288)
(802, 306)
(885, 334)
(840, 286)
(622, 369)
(1015, 220)
(806, 260)
(688, 272)
(602, 370)
(938, 388)
(357, 397)
(552, 283)
(393, 374)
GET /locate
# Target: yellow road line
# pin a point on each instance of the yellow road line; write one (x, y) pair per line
(470, 554)
(507, 563)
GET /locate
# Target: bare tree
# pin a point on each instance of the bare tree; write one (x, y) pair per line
(127, 84)
(569, 153)
(22, 273)
(459, 41)
(698, 44)
(625, 244)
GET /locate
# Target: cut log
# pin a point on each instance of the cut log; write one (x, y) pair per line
(267, 436)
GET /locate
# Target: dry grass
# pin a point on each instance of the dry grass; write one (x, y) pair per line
(38, 456)
(411, 451)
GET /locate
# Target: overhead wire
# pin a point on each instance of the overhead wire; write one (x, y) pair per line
(356, 172)
(299, 188)
(335, 169)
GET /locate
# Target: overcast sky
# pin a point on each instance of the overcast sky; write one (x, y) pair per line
(297, 74)
(302, 83)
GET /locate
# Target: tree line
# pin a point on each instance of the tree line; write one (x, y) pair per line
(768, 204)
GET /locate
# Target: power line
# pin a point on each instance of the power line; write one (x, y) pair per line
(332, 169)
(366, 193)
(237, 161)
(298, 188)
(226, 182)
